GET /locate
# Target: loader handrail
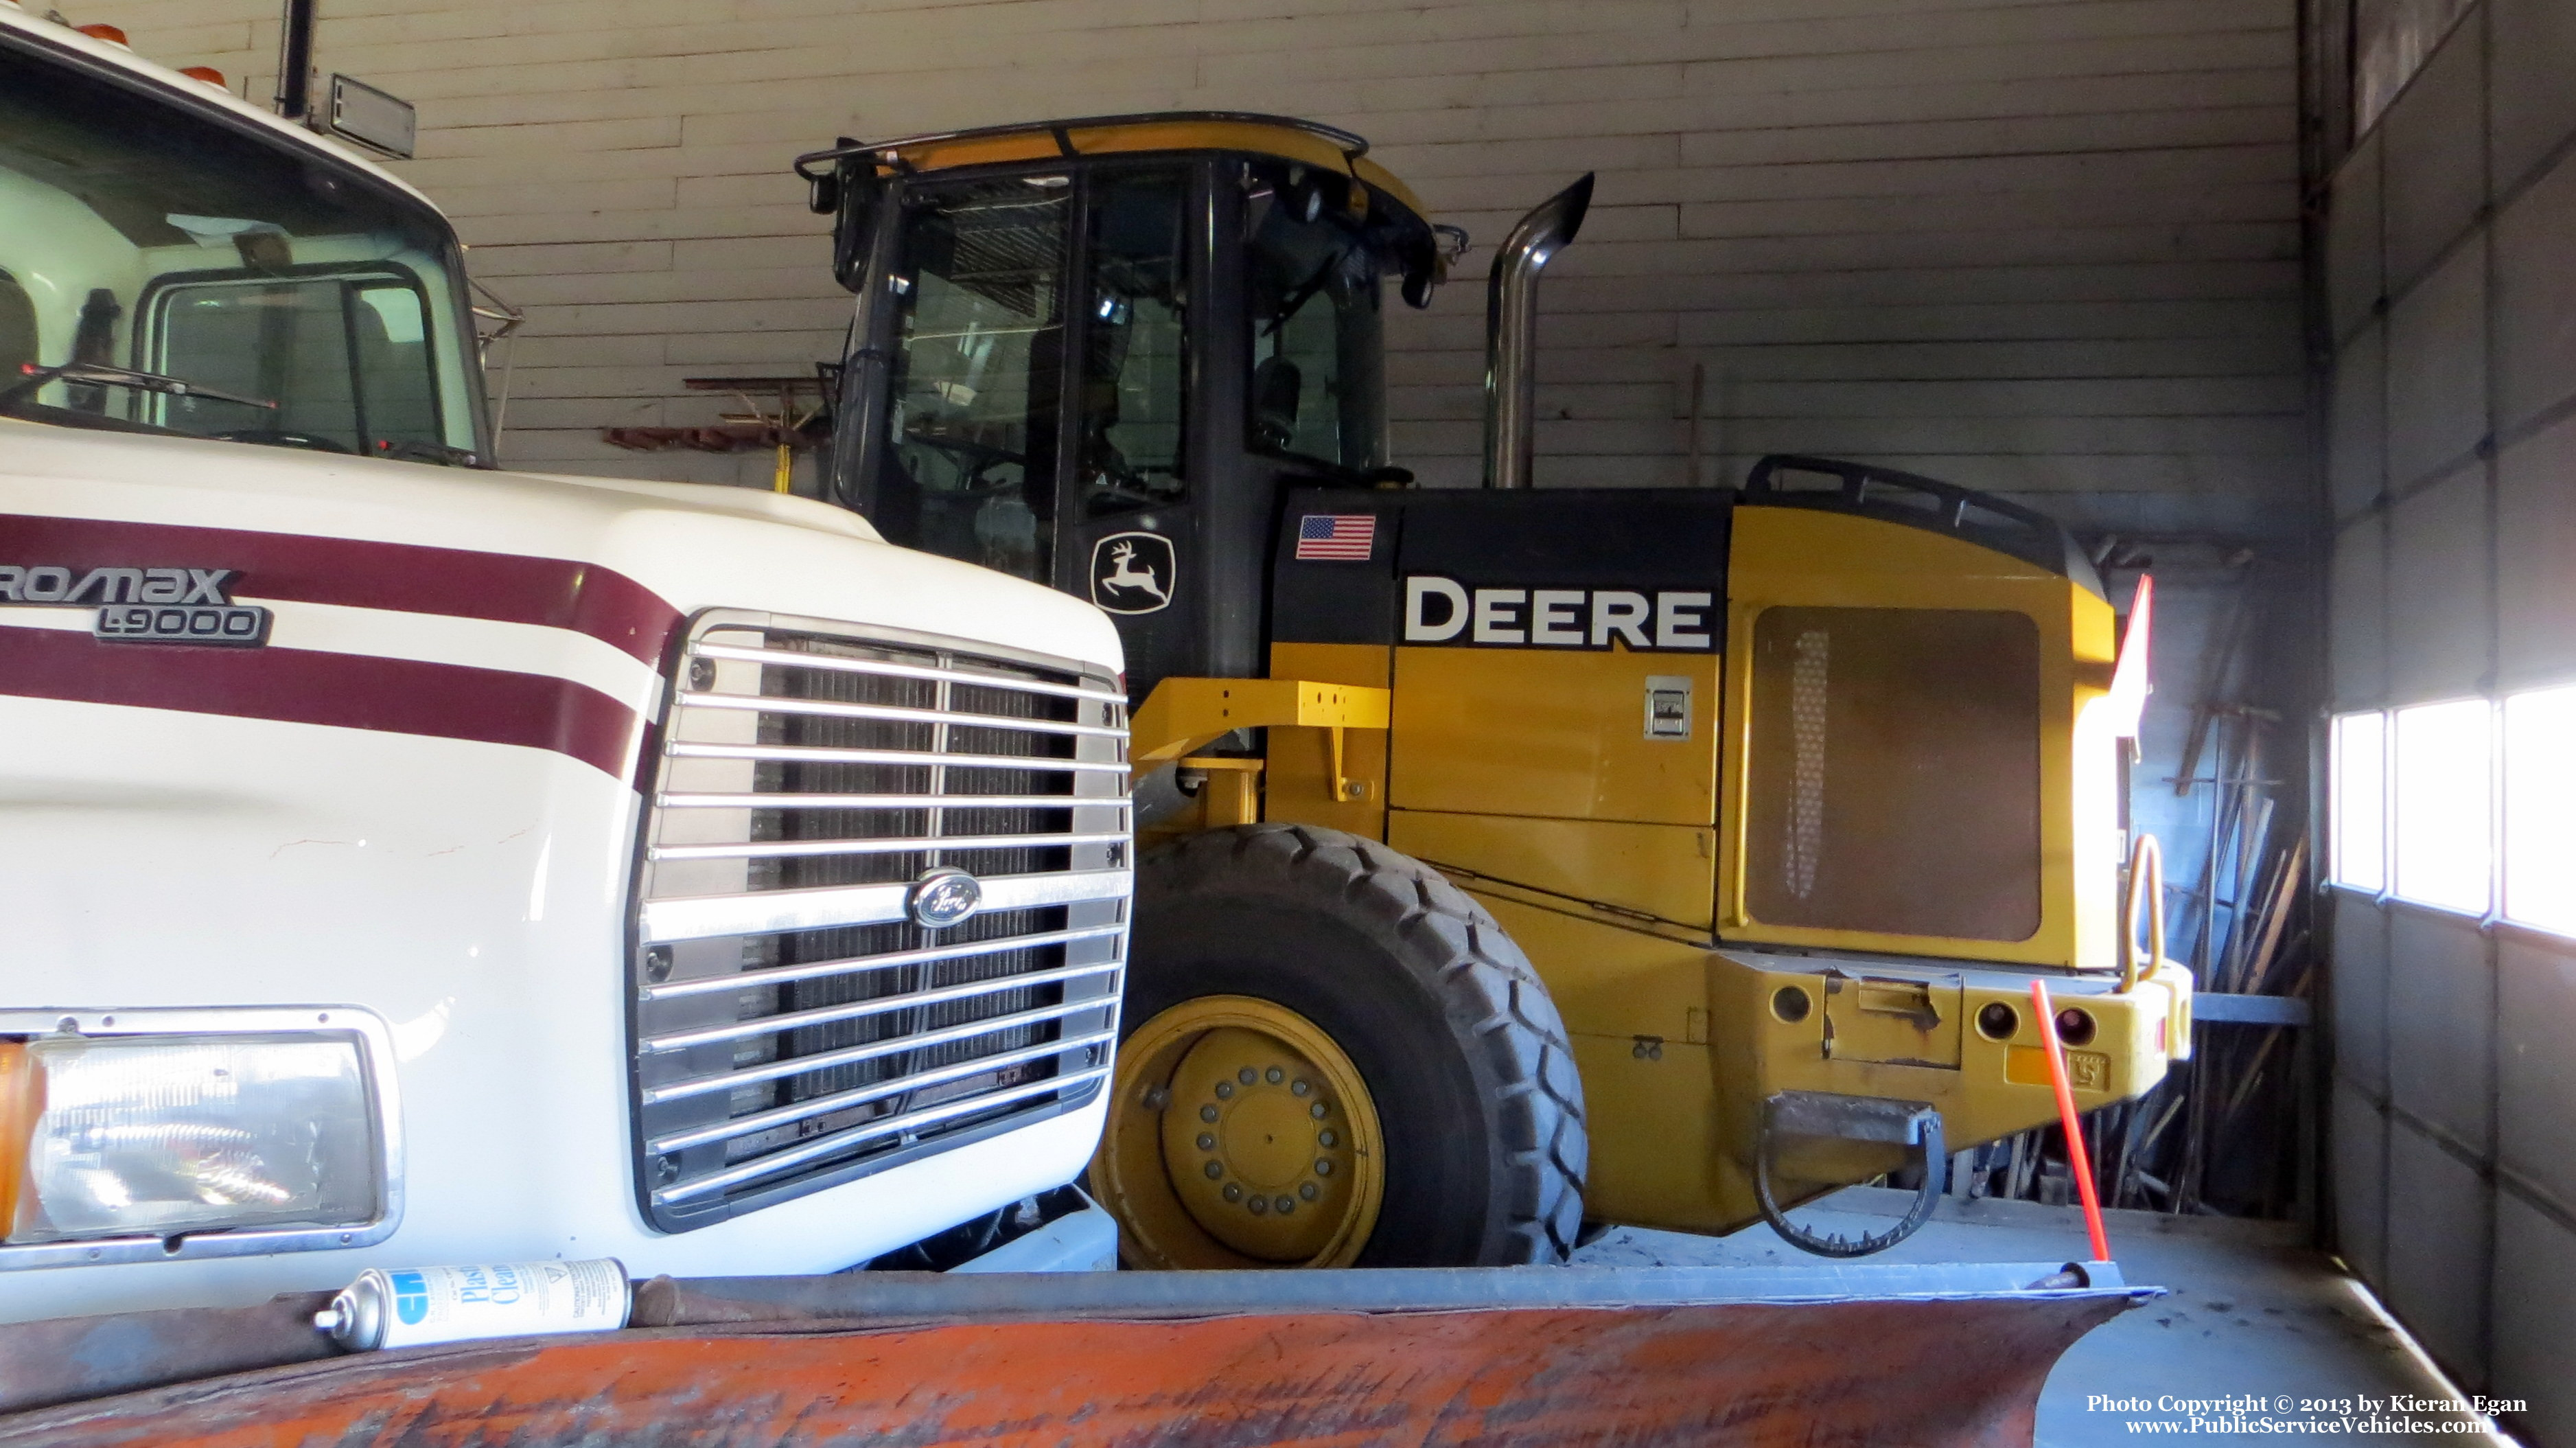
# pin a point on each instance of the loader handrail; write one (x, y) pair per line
(2022, 532)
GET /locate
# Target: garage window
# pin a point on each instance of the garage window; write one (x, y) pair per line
(2444, 787)
(2540, 809)
(2360, 767)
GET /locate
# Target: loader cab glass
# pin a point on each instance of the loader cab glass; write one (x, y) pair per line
(978, 296)
(985, 327)
(167, 271)
(1311, 281)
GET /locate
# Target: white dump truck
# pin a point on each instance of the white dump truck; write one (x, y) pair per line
(404, 861)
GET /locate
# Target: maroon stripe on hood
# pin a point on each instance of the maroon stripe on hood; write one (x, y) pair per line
(362, 573)
(306, 686)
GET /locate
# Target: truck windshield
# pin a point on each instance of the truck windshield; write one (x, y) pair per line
(163, 271)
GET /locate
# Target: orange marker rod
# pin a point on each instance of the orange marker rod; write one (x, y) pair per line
(2077, 1161)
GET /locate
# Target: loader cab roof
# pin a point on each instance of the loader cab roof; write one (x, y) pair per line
(1372, 195)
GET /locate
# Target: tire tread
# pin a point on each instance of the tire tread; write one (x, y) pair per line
(1498, 1005)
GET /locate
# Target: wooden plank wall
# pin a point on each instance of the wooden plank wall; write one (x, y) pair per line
(2042, 246)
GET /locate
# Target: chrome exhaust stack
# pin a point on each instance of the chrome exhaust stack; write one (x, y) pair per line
(1511, 331)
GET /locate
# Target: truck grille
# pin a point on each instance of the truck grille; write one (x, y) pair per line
(795, 1026)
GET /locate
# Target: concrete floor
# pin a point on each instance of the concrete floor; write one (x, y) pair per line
(2252, 1313)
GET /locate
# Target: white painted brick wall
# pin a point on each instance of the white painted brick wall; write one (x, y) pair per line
(2043, 246)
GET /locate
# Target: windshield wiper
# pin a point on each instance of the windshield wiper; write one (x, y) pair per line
(99, 373)
(430, 452)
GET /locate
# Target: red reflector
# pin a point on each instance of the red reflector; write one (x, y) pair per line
(108, 33)
(2161, 1048)
(208, 74)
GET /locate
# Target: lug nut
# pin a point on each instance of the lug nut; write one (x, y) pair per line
(1306, 1190)
(1259, 1205)
(1233, 1193)
(1316, 1111)
(1214, 1171)
(1274, 1075)
(1327, 1138)
(1207, 1142)
(1285, 1205)
(1245, 1076)
(1157, 1098)
(1323, 1167)
(1224, 1090)
(1207, 1113)
(1300, 1088)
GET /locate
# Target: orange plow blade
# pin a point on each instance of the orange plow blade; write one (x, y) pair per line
(1708, 1363)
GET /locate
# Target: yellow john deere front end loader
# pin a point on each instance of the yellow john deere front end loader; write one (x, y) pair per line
(1512, 859)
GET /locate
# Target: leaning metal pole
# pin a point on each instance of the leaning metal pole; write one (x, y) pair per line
(1511, 331)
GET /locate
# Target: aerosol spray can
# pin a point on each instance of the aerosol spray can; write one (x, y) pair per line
(407, 1307)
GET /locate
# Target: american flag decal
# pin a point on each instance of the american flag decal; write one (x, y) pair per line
(1343, 537)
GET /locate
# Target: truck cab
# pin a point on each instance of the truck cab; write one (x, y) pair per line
(410, 861)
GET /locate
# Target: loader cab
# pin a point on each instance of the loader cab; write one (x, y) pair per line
(1092, 354)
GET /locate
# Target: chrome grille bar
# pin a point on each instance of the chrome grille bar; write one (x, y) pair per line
(854, 1055)
(803, 849)
(889, 801)
(698, 918)
(860, 1010)
(810, 754)
(852, 965)
(891, 713)
(907, 1121)
(842, 663)
(842, 1101)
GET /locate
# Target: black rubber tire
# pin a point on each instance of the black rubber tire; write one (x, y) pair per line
(1463, 1051)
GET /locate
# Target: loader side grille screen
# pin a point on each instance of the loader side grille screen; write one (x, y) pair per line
(797, 1023)
(1894, 772)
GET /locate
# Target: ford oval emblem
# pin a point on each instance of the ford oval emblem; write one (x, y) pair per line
(944, 896)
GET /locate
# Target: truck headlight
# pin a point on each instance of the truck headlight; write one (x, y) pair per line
(165, 1134)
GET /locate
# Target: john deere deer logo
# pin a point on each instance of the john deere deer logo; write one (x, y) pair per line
(1132, 573)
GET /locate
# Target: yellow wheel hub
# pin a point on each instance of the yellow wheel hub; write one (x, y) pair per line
(1239, 1135)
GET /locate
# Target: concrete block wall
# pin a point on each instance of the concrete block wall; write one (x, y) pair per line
(2451, 309)
(2043, 246)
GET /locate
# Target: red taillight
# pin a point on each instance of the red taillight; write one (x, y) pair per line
(108, 33)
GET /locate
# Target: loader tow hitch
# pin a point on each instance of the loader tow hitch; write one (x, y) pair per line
(1852, 1118)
